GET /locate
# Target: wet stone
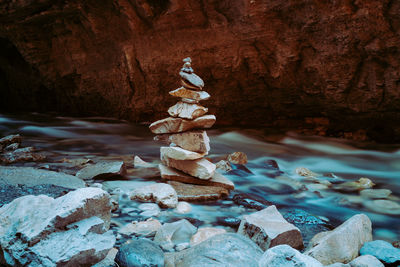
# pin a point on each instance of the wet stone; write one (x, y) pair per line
(250, 201)
(7, 140)
(383, 251)
(229, 221)
(375, 193)
(194, 193)
(142, 252)
(383, 206)
(102, 170)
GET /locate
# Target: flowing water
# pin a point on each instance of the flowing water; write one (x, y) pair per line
(334, 160)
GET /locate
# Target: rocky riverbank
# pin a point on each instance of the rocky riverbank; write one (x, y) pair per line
(106, 209)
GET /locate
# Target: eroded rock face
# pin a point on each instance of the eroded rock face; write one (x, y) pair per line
(297, 59)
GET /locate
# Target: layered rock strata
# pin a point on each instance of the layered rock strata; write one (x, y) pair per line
(183, 160)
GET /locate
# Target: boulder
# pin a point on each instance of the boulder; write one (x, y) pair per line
(237, 158)
(383, 251)
(187, 111)
(174, 234)
(190, 94)
(196, 141)
(199, 168)
(197, 193)
(179, 153)
(162, 194)
(29, 176)
(220, 250)
(284, 255)
(142, 252)
(20, 155)
(176, 125)
(144, 228)
(216, 180)
(366, 261)
(343, 243)
(102, 170)
(267, 228)
(52, 232)
(205, 233)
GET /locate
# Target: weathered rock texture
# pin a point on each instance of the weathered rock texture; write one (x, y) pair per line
(67, 231)
(333, 64)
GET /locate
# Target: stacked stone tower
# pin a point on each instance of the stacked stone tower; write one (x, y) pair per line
(183, 160)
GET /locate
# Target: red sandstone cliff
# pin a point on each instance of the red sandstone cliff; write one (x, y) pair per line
(265, 62)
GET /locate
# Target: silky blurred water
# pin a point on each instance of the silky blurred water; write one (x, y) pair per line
(334, 160)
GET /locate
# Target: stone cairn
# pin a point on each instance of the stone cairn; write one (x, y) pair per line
(183, 160)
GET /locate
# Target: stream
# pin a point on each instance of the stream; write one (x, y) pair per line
(335, 162)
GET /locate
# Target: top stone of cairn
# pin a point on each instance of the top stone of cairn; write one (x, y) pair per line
(189, 79)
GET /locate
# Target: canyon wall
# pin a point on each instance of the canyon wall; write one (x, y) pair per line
(329, 65)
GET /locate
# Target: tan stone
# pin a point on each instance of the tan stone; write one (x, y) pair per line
(196, 141)
(176, 125)
(190, 94)
(187, 111)
(237, 158)
(205, 233)
(200, 168)
(267, 228)
(175, 175)
(197, 193)
(179, 153)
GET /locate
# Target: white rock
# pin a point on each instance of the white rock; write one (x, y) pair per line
(149, 210)
(172, 234)
(191, 80)
(190, 94)
(267, 228)
(183, 207)
(50, 232)
(139, 163)
(162, 194)
(108, 260)
(343, 243)
(179, 153)
(102, 170)
(144, 228)
(196, 141)
(205, 233)
(200, 168)
(187, 111)
(223, 165)
(176, 125)
(284, 255)
(366, 261)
